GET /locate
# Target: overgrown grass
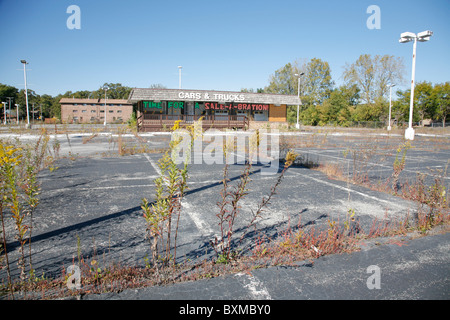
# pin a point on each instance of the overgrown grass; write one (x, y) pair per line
(358, 161)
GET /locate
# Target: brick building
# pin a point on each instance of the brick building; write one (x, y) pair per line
(93, 110)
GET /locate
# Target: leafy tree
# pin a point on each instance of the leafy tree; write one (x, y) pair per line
(157, 86)
(441, 96)
(251, 90)
(45, 103)
(336, 108)
(423, 100)
(400, 107)
(7, 91)
(310, 116)
(372, 75)
(389, 70)
(55, 108)
(20, 99)
(424, 103)
(115, 91)
(316, 84)
(283, 81)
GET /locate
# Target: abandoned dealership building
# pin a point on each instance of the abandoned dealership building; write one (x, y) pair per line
(159, 108)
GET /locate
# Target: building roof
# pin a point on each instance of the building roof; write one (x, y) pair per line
(156, 94)
(91, 101)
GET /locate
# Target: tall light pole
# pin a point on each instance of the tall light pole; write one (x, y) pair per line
(105, 88)
(9, 113)
(407, 37)
(179, 76)
(297, 125)
(17, 112)
(26, 91)
(390, 105)
(4, 111)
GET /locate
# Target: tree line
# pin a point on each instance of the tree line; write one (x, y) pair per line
(364, 96)
(49, 106)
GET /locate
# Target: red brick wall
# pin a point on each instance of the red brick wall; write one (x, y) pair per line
(85, 113)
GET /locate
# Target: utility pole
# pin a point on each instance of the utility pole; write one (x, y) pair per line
(9, 106)
(179, 76)
(24, 62)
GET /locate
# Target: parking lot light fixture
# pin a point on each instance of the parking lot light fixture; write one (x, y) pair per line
(407, 37)
(17, 113)
(106, 89)
(390, 106)
(179, 76)
(4, 111)
(24, 62)
(297, 125)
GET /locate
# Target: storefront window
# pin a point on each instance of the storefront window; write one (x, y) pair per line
(259, 112)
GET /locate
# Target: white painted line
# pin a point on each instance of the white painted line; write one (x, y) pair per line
(238, 155)
(70, 189)
(371, 163)
(154, 165)
(256, 288)
(390, 203)
(418, 157)
(202, 226)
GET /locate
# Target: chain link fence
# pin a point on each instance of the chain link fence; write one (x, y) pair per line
(383, 124)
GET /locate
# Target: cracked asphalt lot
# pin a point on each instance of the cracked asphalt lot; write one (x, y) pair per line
(95, 196)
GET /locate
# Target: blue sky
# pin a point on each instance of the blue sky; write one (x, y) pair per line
(222, 45)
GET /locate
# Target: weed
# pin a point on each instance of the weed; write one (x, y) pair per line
(364, 158)
(230, 198)
(223, 258)
(291, 156)
(229, 204)
(399, 164)
(19, 166)
(171, 186)
(9, 162)
(349, 218)
(89, 138)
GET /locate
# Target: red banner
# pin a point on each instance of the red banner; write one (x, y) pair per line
(237, 106)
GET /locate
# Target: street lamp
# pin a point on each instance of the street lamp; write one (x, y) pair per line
(4, 111)
(297, 126)
(407, 37)
(106, 89)
(9, 104)
(17, 112)
(390, 105)
(179, 76)
(26, 91)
